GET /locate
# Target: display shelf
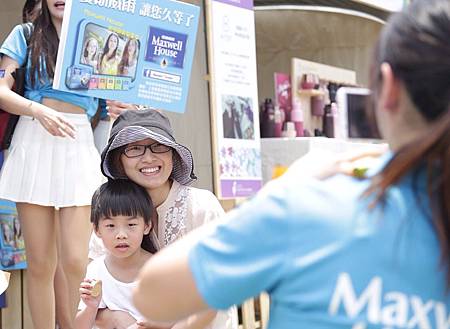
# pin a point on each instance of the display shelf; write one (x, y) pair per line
(310, 92)
(284, 151)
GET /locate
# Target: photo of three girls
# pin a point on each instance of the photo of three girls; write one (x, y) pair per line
(112, 58)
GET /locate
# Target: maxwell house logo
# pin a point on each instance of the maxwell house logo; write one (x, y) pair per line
(166, 48)
(391, 309)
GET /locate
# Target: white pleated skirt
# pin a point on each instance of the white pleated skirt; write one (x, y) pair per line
(51, 171)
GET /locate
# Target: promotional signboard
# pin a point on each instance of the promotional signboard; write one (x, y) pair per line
(135, 51)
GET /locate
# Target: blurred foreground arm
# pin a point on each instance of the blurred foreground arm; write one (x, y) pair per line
(166, 288)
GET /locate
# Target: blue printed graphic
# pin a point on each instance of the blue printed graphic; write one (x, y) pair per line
(12, 246)
(166, 48)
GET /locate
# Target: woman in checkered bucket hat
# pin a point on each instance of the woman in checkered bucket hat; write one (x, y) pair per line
(142, 148)
(132, 127)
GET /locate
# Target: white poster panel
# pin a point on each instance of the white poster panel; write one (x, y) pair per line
(234, 100)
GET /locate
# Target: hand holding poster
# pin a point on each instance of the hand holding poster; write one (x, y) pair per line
(135, 51)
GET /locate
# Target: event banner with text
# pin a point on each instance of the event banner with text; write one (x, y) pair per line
(235, 89)
(135, 51)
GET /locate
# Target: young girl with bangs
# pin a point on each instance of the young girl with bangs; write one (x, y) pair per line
(121, 216)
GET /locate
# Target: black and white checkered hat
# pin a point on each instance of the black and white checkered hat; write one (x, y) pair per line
(135, 125)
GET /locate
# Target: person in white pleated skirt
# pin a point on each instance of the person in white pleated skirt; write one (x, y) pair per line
(52, 169)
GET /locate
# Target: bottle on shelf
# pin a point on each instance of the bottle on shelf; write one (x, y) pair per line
(335, 114)
(278, 122)
(267, 117)
(289, 130)
(330, 122)
(317, 106)
(297, 118)
(309, 81)
(332, 89)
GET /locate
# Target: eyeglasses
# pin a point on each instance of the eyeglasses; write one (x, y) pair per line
(134, 151)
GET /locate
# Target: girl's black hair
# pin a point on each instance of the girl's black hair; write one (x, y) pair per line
(122, 197)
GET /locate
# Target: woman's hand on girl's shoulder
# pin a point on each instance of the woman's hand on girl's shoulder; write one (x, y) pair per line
(53, 121)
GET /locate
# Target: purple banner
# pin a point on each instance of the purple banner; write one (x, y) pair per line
(246, 4)
(235, 188)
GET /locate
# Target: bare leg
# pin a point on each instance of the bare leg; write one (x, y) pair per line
(40, 243)
(75, 230)
(62, 304)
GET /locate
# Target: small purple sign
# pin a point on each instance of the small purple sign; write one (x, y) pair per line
(246, 4)
(236, 188)
(3, 300)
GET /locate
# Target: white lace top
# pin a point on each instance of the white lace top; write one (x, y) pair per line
(184, 209)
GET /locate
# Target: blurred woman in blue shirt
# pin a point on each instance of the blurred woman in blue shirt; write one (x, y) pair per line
(341, 252)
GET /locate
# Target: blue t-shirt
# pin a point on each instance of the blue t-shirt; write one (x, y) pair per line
(103, 110)
(325, 259)
(15, 46)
